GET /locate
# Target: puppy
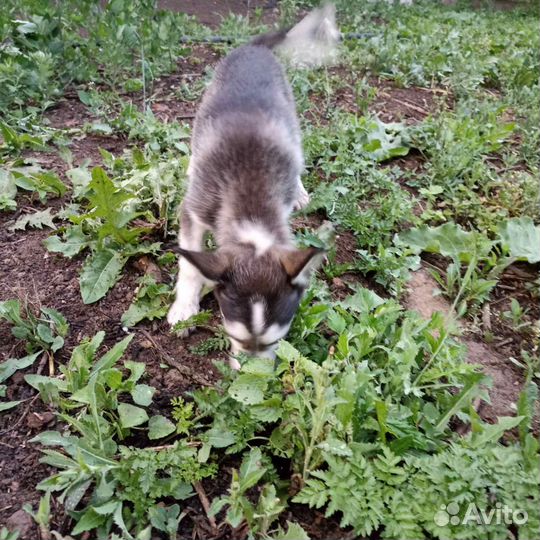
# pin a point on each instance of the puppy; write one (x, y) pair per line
(244, 182)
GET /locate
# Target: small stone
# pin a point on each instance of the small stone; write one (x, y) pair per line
(22, 522)
(38, 420)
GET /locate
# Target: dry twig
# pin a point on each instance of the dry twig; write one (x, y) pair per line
(205, 504)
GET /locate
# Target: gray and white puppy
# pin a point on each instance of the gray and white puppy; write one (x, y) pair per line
(244, 182)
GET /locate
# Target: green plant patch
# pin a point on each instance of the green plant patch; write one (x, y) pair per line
(151, 302)
(369, 413)
(31, 179)
(42, 332)
(517, 239)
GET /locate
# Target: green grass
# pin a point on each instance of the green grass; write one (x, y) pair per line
(358, 415)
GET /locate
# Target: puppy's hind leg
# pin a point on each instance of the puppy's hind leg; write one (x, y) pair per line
(302, 196)
(190, 280)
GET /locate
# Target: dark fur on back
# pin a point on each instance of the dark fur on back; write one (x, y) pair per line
(250, 78)
(246, 141)
(271, 39)
(244, 182)
(250, 173)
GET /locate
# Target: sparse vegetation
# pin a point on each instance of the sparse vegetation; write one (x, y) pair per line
(422, 150)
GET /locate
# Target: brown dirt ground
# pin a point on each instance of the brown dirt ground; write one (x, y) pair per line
(28, 271)
(507, 380)
(410, 105)
(391, 103)
(212, 12)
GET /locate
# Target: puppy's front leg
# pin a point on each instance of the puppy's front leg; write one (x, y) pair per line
(190, 281)
(302, 196)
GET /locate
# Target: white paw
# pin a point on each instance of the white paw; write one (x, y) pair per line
(303, 198)
(234, 363)
(182, 310)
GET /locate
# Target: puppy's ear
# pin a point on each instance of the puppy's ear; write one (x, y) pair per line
(211, 264)
(300, 263)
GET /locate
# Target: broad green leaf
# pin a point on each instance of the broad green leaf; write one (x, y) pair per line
(294, 532)
(152, 302)
(376, 139)
(137, 312)
(5, 533)
(113, 378)
(251, 469)
(58, 460)
(48, 182)
(144, 534)
(8, 190)
(100, 272)
(109, 359)
(86, 394)
(38, 220)
(248, 388)
(5, 405)
(217, 505)
(80, 179)
(107, 509)
(287, 352)
(45, 333)
(220, 438)
(43, 515)
(362, 301)
(449, 240)
(159, 427)
(37, 380)
(382, 414)
(61, 326)
(520, 238)
(335, 447)
(105, 197)
(165, 519)
(460, 400)
(51, 438)
(10, 310)
(131, 416)
(72, 242)
(142, 394)
(336, 322)
(88, 521)
(526, 404)
(491, 433)
(75, 493)
(101, 128)
(259, 366)
(268, 410)
(136, 369)
(10, 366)
(118, 519)
(108, 204)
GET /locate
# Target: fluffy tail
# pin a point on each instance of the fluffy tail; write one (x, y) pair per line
(312, 42)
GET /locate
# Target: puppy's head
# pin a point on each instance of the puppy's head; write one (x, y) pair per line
(258, 294)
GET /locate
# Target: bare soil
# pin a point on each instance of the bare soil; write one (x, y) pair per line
(507, 380)
(212, 12)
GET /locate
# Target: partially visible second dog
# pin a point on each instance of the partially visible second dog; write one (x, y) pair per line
(244, 182)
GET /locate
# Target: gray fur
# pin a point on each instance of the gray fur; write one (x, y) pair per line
(244, 173)
(246, 144)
